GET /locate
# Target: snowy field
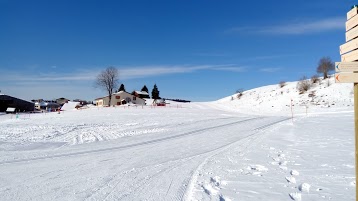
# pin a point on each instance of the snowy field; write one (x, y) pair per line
(194, 151)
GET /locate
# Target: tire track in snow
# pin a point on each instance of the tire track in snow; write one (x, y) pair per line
(132, 145)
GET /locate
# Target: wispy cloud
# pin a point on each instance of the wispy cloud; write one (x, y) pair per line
(125, 73)
(148, 71)
(25, 77)
(269, 70)
(211, 54)
(268, 57)
(233, 69)
(294, 28)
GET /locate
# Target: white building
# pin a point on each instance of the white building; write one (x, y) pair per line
(120, 98)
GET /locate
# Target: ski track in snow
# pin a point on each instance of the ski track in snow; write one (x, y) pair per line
(121, 180)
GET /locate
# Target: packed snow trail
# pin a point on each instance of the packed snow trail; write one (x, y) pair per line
(152, 166)
(309, 160)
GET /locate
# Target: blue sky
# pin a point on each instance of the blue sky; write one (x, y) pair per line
(200, 50)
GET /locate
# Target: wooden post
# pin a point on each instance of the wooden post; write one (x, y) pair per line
(292, 109)
(356, 132)
(306, 109)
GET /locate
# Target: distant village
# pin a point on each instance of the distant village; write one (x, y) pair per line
(11, 104)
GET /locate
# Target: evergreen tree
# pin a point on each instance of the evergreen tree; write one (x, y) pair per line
(121, 88)
(155, 92)
(145, 89)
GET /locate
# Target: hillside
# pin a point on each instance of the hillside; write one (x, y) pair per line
(273, 99)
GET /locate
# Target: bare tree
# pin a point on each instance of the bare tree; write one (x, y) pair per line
(325, 65)
(108, 80)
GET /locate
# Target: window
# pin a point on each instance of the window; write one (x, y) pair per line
(118, 103)
(118, 97)
(134, 98)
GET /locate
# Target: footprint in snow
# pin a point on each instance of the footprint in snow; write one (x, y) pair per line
(275, 163)
(283, 163)
(281, 155)
(294, 173)
(291, 179)
(215, 181)
(259, 168)
(295, 196)
(209, 189)
(304, 187)
(224, 198)
(276, 159)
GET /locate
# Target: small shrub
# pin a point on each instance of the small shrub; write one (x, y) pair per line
(239, 92)
(303, 85)
(315, 79)
(282, 84)
(312, 94)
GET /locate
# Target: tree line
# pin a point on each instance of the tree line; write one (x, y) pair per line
(155, 91)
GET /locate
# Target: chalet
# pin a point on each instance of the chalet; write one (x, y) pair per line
(12, 102)
(120, 98)
(140, 94)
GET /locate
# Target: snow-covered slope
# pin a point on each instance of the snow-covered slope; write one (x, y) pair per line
(274, 99)
(187, 151)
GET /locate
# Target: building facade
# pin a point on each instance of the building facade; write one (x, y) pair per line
(120, 98)
(19, 104)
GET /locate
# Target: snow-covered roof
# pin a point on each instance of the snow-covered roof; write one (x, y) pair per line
(142, 92)
(120, 92)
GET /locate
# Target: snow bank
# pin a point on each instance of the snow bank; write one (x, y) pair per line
(70, 105)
